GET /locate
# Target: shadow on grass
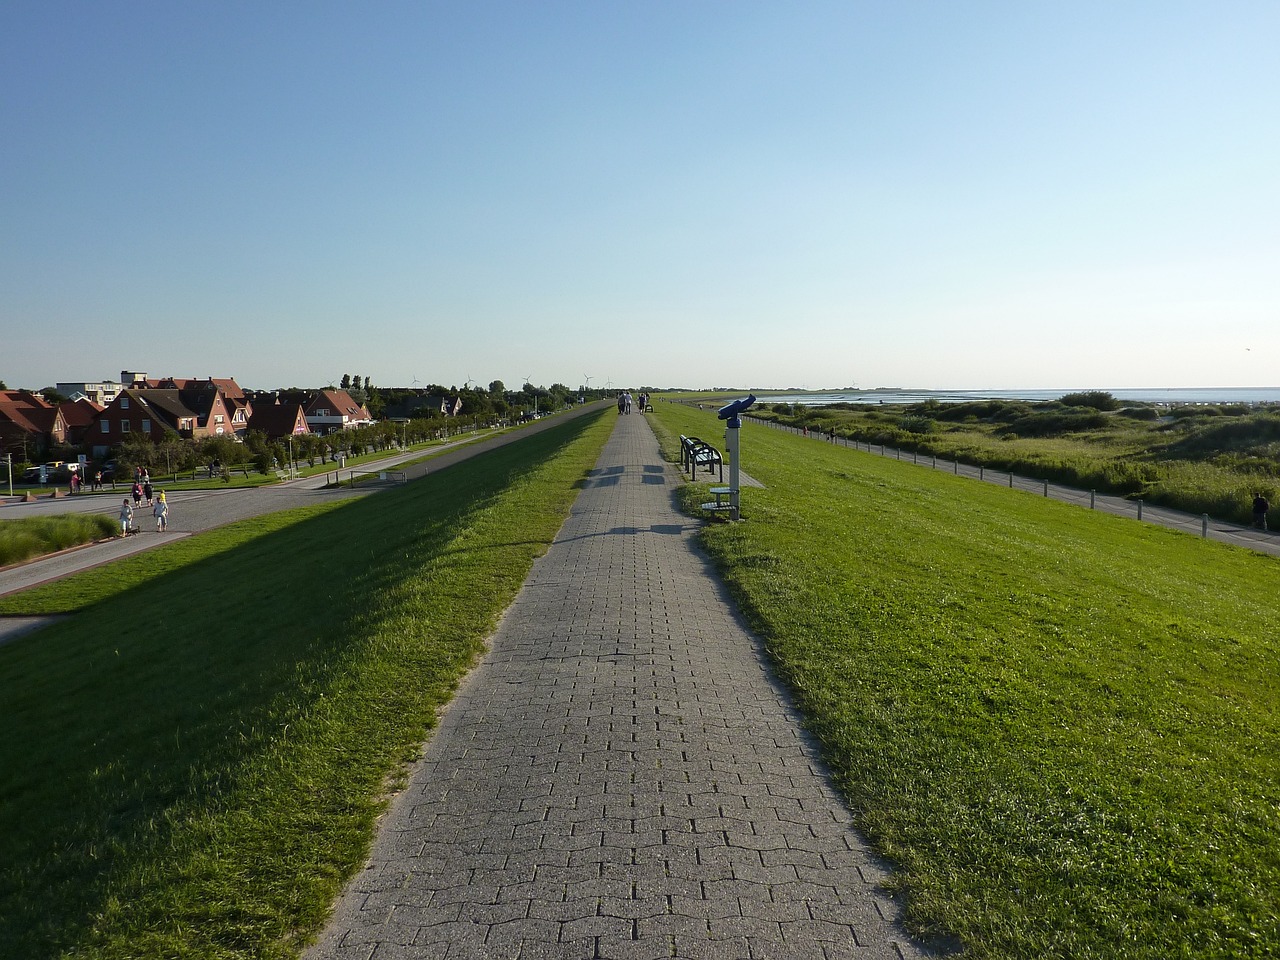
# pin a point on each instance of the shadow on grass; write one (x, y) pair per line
(161, 706)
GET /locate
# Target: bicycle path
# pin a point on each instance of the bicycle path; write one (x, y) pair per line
(621, 776)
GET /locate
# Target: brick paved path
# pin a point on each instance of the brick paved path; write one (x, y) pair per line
(620, 777)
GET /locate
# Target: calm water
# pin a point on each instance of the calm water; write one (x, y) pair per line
(1181, 395)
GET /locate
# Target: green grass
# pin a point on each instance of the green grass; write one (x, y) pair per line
(194, 760)
(1061, 725)
(28, 537)
(1201, 460)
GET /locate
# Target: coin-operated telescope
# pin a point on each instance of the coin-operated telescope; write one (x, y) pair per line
(732, 413)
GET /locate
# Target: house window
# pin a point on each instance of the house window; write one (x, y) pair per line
(146, 426)
(106, 426)
(322, 411)
(218, 418)
(124, 426)
(124, 403)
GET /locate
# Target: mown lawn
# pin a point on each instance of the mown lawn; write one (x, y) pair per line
(1061, 725)
(194, 760)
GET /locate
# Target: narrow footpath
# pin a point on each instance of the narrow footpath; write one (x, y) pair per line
(621, 776)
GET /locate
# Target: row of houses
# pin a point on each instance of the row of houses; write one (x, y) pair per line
(30, 426)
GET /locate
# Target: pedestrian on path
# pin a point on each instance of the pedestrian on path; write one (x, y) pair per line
(137, 494)
(126, 517)
(161, 512)
(1260, 508)
(147, 490)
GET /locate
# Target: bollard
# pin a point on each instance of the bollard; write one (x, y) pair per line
(1139, 509)
(1204, 525)
(935, 461)
(1011, 480)
(1093, 494)
(955, 467)
(1046, 488)
(981, 471)
(915, 457)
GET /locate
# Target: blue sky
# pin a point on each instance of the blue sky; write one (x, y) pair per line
(935, 195)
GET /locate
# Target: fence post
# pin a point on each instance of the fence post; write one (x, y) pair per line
(955, 467)
(1010, 479)
(1093, 495)
(981, 472)
(1046, 488)
(1139, 508)
(915, 457)
(1204, 525)
(935, 461)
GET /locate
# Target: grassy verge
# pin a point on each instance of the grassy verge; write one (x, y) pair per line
(1061, 725)
(29, 537)
(195, 759)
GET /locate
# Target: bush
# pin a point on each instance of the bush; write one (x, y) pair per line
(917, 424)
(1054, 422)
(1140, 413)
(1096, 399)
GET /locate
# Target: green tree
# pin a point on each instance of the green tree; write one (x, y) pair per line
(346, 382)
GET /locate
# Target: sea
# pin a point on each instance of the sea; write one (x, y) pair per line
(1172, 396)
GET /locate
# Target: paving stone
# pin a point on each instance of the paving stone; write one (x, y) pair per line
(622, 776)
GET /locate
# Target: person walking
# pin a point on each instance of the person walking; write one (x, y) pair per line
(147, 489)
(1260, 507)
(126, 517)
(161, 512)
(137, 493)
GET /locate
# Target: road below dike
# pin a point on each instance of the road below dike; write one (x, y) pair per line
(194, 511)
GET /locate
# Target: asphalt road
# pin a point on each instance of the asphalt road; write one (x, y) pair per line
(193, 511)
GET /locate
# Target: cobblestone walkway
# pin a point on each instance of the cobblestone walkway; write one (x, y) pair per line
(620, 777)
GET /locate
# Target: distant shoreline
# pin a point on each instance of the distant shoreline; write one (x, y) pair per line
(900, 395)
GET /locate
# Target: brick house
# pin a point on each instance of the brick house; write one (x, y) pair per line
(278, 420)
(328, 411)
(30, 426)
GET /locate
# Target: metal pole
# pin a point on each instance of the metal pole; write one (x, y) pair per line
(731, 448)
(1046, 488)
(1139, 509)
(1010, 479)
(1093, 494)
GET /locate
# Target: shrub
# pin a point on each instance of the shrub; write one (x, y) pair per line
(1054, 422)
(917, 424)
(1097, 399)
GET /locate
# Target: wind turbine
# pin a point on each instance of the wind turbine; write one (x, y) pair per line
(529, 380)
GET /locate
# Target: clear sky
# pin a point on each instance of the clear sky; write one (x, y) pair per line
(818, 194)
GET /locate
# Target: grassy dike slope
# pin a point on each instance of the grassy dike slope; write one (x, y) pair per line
(1061, 725)
(194, 760)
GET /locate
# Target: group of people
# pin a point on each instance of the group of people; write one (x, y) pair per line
(159, 510)
(625, 401)
(77, 481)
